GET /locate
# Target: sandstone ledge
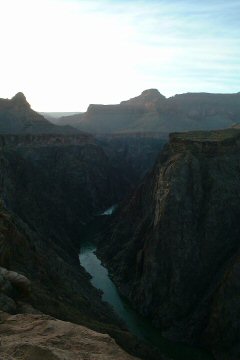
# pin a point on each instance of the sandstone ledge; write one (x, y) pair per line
(38, 337)
(208, 142)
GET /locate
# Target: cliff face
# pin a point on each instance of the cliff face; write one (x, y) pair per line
(173, 247)
(132, 154)
(152, 112)
(57, 183)
(17, 117)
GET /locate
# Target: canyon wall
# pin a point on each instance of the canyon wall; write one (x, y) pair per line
(173, 246)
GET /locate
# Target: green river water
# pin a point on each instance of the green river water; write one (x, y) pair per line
(135, 323)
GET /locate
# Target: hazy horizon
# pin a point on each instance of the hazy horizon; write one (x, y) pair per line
(65, 54)
(107, 103)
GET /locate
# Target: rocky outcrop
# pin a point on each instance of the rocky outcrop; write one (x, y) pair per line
(25, 337)
(150, 99)
(19, 282)
(173, 246)
(152, 112)
(17, 117)
(13, 288)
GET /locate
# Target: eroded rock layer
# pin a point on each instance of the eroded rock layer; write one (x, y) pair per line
(153, 112)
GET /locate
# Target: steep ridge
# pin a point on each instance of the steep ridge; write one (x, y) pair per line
(152, 112)
(173, 247)
(17, 117)
(150, 99)
(123, 117)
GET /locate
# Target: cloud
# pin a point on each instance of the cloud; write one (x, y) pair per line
(65, 54)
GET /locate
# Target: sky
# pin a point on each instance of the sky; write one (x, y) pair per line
(65, 54)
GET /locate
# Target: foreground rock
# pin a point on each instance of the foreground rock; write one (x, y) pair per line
(13, 287)
(173, 248)
(37, 337)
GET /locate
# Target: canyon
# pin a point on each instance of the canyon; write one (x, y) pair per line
(51, 185)
(170, 245)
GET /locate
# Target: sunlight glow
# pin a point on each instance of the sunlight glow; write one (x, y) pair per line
(65, 54)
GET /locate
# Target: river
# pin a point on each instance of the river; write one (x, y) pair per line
(135, 323)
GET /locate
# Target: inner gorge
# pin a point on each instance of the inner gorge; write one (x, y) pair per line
(137, 324)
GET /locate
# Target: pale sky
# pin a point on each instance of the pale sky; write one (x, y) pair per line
(65, 54)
